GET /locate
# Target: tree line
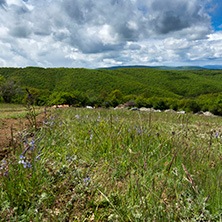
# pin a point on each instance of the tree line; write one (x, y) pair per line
(191, 91)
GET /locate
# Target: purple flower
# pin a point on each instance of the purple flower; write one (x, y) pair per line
(69, 158)
(85, 180)
(22, 157)
(6, 173)
(21, 161)
(2, 165)
(32, 144)
(157, 134)
(77, 116)
(173, 133)
(91, 136)
(25, 163)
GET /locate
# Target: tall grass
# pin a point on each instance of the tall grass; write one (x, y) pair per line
(104, 165)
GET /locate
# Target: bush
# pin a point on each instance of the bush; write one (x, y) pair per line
(161, 104)
(192, 106)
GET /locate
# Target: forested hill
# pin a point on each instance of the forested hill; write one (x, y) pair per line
(167, 83)
(179, 68)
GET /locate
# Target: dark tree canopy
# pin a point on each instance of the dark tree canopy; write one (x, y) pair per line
(8, 90)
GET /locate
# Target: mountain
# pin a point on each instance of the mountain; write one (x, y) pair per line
(213, 66)
(134, 80)
(179, 68)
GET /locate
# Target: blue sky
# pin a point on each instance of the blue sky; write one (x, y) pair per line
(217, 16)
(102, 33)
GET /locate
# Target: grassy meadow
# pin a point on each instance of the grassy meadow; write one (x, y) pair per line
(115, 165)
(16, 111)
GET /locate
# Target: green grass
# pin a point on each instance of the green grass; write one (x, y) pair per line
(106, 165)
(10, 107)
(15, 111)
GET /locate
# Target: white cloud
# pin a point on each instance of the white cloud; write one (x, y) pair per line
(93, 33)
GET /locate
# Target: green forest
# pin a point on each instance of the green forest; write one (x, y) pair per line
(189, 90)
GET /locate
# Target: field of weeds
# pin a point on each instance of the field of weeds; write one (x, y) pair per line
(106, 165)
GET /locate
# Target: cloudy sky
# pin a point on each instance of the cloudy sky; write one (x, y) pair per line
(101, 33)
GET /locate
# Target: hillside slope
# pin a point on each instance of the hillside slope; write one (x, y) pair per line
(166, 83)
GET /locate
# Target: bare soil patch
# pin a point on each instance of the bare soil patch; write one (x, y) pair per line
(9, 127)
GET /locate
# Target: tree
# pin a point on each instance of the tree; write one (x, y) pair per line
(116, 97)
(75, 98)
(37, 96)
(216, 108)
(160, 103)
(193, 106)
(8, 90)
(2, 79)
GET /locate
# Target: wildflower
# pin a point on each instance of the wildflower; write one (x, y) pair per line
(86, 180)
(77, 116)
(69, 158)
(32, 144)
(37, 158)
(21, 161)
(157, 134)
(91, 136)
(60, 124)
(25, 163)
(43, 122)
(22, 157)
(2, 165)
(6, 173)
(52, 123)
(173, 133)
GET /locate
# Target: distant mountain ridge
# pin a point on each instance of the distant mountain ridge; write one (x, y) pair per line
(178, 68)
(213, 66)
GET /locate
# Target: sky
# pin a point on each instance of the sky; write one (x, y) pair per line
(104, 33)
